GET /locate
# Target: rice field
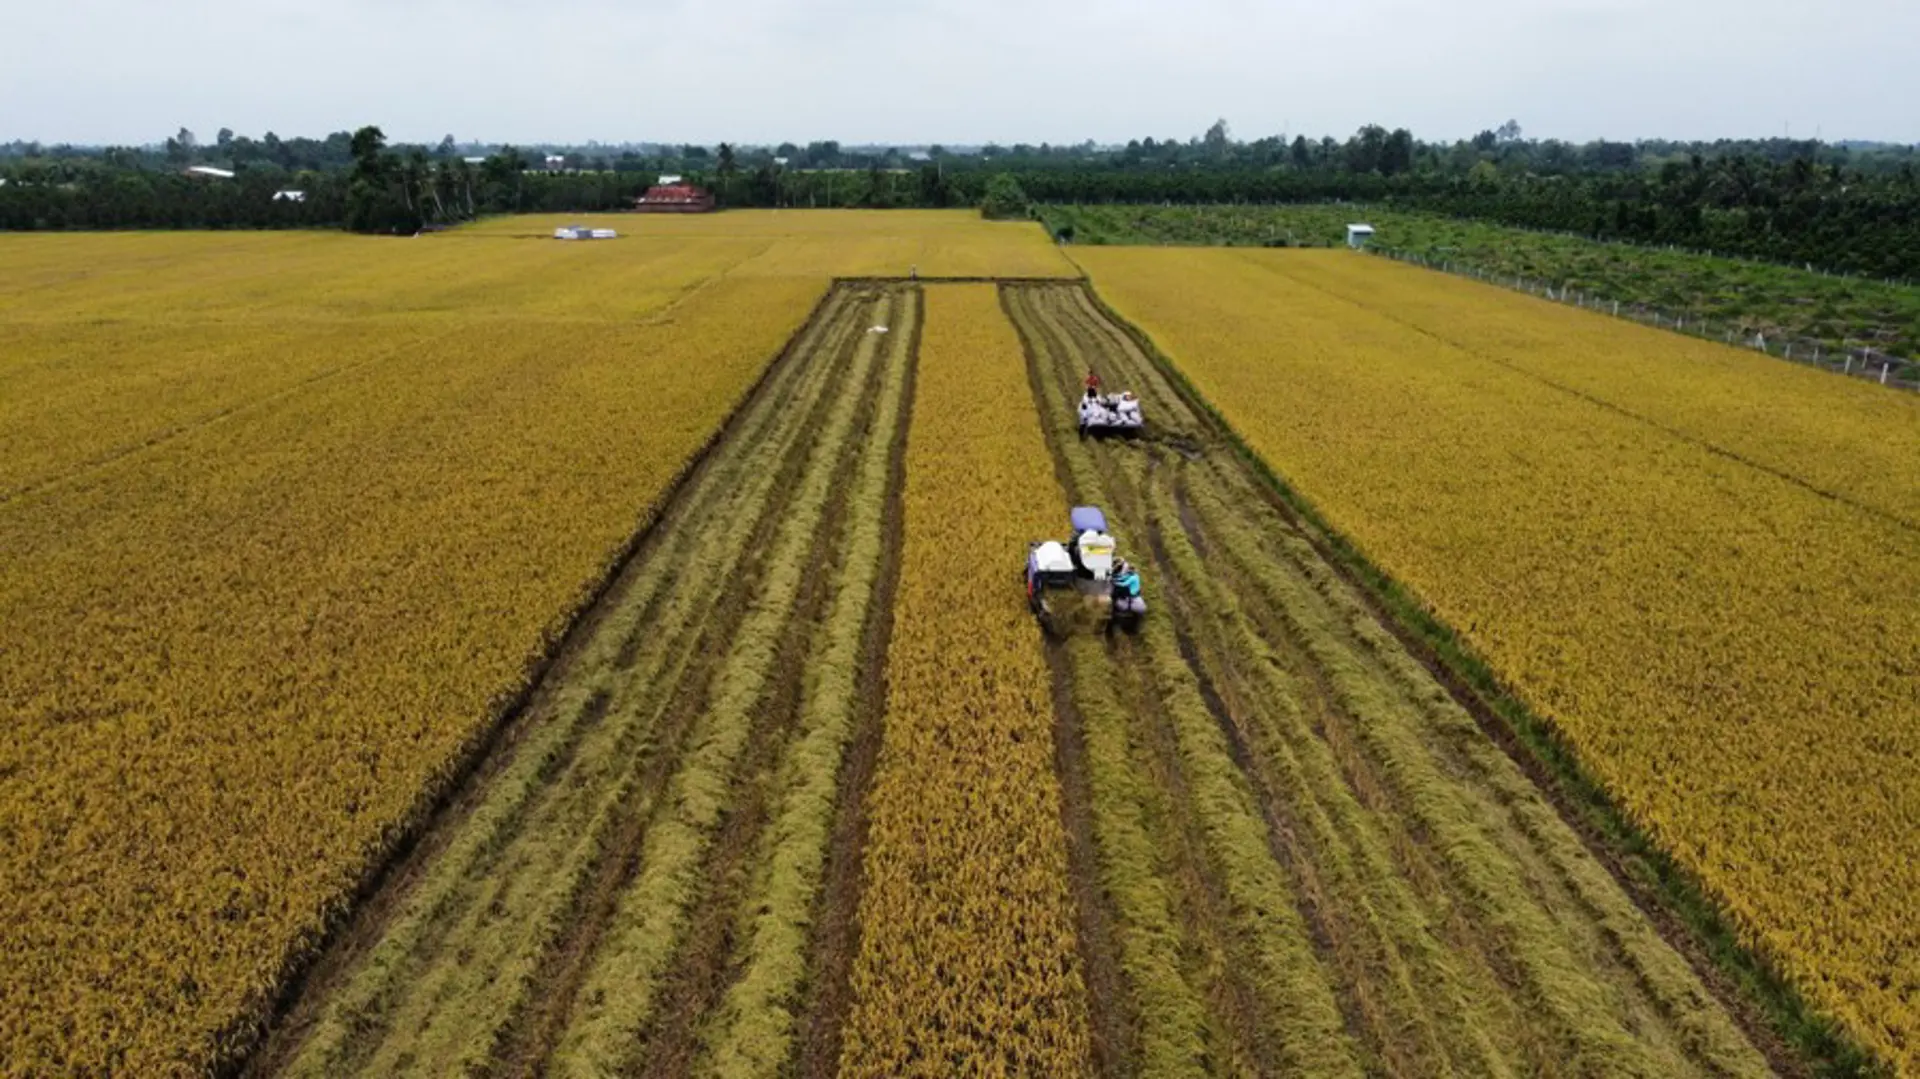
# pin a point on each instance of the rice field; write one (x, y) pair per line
(290, 521)
(1697, 563)
(482, 655)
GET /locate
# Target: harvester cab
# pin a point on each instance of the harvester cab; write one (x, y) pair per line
(1072, 583)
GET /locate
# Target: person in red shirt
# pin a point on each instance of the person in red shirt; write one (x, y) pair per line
(1093, 384)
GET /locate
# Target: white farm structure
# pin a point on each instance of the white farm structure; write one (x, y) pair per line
(583, 232)
(1358, 235)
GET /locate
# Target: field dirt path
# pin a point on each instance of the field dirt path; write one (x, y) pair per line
(1313, 860)
(625, 886)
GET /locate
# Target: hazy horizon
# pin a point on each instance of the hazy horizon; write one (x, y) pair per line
(99, 72)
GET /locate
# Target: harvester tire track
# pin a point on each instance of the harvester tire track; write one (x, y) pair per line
(1112, 1016)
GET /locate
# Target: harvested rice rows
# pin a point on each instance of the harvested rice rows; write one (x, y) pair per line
(1312, 858)
(634, 875)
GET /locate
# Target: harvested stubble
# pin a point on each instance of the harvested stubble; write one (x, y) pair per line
(616, 997)
(752, 1033)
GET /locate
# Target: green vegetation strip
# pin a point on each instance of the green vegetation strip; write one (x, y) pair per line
(1172, 1017)
(1760, 298)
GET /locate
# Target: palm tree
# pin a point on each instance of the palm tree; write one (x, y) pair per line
(729, 168)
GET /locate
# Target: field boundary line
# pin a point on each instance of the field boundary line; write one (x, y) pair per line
(1796, 1038)
(664, 314)
(437, 808)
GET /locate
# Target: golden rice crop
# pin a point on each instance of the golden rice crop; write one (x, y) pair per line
(842, 243)
(1844, 436)
(111, 341)
(243, 635)
(1697, 563)
(967, 957)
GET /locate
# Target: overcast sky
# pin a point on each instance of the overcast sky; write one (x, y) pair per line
(955, 71)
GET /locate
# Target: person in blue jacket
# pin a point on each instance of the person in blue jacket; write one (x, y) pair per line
(1126, 581)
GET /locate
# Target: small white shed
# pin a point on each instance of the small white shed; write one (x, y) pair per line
(1358, 235)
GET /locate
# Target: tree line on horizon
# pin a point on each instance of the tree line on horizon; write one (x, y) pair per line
(1844, 207)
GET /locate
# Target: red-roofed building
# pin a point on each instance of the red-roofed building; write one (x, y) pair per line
(674, 199)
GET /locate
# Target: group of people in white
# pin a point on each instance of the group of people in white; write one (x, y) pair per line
(1100, 411)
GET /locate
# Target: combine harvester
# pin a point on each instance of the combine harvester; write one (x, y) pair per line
(1074, 583)
(1118, 415)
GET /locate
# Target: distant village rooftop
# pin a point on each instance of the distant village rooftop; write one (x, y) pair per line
(671, 197)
